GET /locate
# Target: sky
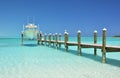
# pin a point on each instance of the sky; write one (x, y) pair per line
(55, 16)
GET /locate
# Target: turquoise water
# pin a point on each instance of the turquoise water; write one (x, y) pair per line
(35, 61)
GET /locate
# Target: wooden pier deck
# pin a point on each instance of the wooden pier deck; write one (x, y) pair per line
(56, 40)
(109, 48)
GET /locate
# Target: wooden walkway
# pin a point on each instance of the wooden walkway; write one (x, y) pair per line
(108, 48)
(56, 41)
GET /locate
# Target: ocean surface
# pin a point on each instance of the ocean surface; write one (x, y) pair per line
(40, 61)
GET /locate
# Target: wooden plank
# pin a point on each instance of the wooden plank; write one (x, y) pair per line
(113, 48)
(61, 42)
(52, 41)
(72, 43)
(84, 45)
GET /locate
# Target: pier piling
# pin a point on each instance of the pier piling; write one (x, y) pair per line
(60, 39)
(38, 38)
(56, 40)
(45, 38)
(104, 45)
(53, 38)
(22, 39)
(79, 42)
(49, 37)
(41, 38)
(95, 42)
(66, 40)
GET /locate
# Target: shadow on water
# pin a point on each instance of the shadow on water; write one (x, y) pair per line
(110, 61)
(69, 51)
(10, 45)
(16, 45)
(30, 45)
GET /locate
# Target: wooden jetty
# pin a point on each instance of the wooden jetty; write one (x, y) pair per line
(55, 39)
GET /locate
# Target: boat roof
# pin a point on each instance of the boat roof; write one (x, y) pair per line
(31, 26)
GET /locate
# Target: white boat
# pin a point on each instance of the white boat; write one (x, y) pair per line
(30, 31)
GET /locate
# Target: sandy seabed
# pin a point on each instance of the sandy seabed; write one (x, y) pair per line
(46, 62)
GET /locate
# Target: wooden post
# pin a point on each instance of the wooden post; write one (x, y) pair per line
(66, 40)
(56, 39)
(45, 38)
(95, 41)
(79, 42)
(49, 37)
(22, 35)
(103, 46)
(53, 38)
(59, 39)
(40, 38)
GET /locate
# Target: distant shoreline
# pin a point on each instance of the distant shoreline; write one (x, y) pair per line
(118, 36)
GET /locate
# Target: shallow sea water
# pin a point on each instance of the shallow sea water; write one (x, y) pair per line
(39, 61)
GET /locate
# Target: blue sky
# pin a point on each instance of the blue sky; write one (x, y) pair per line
(57, 15)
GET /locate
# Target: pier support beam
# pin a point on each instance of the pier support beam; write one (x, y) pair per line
(38, 38)
(56, 40)
(104, 45)
(53, 38)
(49, 37)
(59, 39)
(22, 35)
(41, 38)
(95, 42)
(79, 42)
(45, 38)
(66, 40)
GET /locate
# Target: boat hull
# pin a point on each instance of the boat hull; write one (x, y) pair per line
(30, 34)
